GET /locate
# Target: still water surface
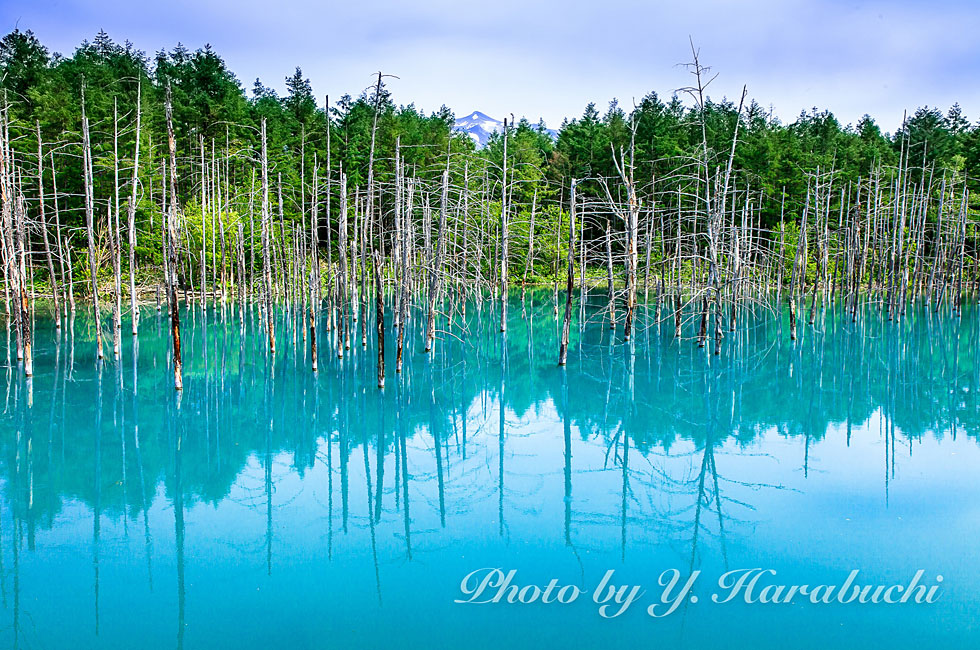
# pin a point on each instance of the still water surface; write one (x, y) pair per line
(275, 508)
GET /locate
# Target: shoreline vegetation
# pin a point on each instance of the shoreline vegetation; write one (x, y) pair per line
(123, 175)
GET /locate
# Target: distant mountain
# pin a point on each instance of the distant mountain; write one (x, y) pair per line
(479, 126)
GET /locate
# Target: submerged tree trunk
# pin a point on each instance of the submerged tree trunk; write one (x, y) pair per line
(172, 238)
(131, 213)
(403, 301)
(266, 244)
(435, 274)
(204, 225)
(114, 238)
(343, 331)
(677, 273)
(797, 269)
(379, 304)
(44, 229)
(610, 282)
(314, 270)
(64, 253)
(503, 240)
(7, 246)
(23, 301)
(570, 283)
(530, 239)
(90, 226)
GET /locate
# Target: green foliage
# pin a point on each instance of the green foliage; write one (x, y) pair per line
(212, 109)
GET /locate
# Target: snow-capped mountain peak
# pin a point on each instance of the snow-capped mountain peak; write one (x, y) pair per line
(478, 126)
(477, 116)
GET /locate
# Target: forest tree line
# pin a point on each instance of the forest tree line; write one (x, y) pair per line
(211, 105)
(297, 198)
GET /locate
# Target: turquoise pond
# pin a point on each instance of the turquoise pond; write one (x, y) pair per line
(271, 507)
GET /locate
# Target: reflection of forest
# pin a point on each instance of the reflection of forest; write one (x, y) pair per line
(79, 434)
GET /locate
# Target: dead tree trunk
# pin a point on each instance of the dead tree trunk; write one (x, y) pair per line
(435, 273)
(7, 245)
(570, 283)
(90, 226)
(44, 229)
(379, 306)
(164, 235)
(631, 217)
(131, 214)
(314, 270)
(23, 303)
(204, 225)
(343, 331)
(172, 238)
(610, 281)
(503, 240)
(677, 273)
(530, 239)
(114, 238)
(64, 253)
(800, 254)
(266, 232)
(403, 301)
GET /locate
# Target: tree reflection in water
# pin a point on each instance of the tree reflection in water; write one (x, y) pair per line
(653, 445)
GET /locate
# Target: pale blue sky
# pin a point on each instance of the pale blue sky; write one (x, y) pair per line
(549, 59)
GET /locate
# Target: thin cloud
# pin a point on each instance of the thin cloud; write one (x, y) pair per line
(550, 59)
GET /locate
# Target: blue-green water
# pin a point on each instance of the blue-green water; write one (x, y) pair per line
(275, 508)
